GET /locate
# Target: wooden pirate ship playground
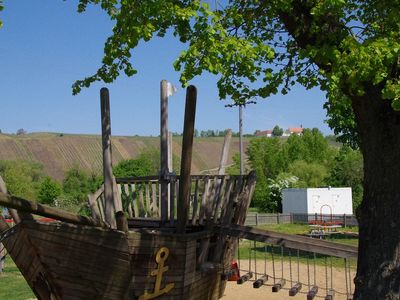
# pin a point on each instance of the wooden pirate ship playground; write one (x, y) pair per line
(166, 236)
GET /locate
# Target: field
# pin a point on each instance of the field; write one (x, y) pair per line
(12, 285)
(59, 152)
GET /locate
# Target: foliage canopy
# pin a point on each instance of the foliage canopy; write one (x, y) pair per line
(261, 48)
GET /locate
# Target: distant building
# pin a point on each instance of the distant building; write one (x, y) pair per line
(329, 200)
(295, 130)
(267, 133)
(287, 132)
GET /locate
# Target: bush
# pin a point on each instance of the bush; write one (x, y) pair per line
(22, 177)
(49, 190)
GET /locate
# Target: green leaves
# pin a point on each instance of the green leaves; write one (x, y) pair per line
(259, 48)
(1, 8)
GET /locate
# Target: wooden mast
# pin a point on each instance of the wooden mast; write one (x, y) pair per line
(186, 163)
(164, 171)
(107, 157)
(225, 152)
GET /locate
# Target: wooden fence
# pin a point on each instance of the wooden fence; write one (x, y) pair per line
(254, 219)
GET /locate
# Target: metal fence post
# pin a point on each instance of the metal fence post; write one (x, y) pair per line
(256, 219)
(344, 220)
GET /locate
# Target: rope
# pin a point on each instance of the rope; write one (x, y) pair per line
(238, 254)
(3, 257)
(345, 275)
(315, 272)
(265, 259)
(250, 258)
(308, 270)
(255, 258)
(331, 275)
(326, 273)
(298, 265)
(282, 262)
(5, 234)
(290, 268)
(273, 262)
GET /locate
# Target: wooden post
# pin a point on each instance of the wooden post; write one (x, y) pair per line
(170, 169)
(241, 138)
(107, 157)
(23, 205)
(13, 212)
(256, 219)
(164, 150)
(186, 160)
(122, 222)
(93, 204)
(225, 152)
(344, 221)
(170, 156)
(3, 227)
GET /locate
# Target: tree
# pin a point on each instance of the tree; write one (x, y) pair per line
(49, 190)
(277, 131)
(22, 177)
(21, 131)
(347, 170)
(349, 48)
(267, 158)
(77, 184)
(141, 166)
(308, 174)
(311, 147)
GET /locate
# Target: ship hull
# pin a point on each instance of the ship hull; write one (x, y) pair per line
(65, 261)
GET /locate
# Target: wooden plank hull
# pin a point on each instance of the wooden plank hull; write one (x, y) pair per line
(64, 261)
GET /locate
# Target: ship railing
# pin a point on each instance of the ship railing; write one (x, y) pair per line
(213, 199)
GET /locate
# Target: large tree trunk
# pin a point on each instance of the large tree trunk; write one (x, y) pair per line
(378, 271)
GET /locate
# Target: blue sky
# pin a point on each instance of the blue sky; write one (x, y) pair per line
(45, 45)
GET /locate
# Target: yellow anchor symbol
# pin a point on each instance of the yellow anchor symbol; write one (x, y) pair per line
(161, 257)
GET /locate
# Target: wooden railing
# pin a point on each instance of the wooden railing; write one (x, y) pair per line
(213, 198)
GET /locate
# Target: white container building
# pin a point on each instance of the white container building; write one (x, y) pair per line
(326, 201)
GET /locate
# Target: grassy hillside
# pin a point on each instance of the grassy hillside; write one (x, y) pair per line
(58, 153)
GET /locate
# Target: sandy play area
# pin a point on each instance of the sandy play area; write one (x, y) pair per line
(246, 291)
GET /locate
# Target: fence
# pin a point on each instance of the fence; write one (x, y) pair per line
(261, 219)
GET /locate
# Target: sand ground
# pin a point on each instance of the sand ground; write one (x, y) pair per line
(323, 276)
